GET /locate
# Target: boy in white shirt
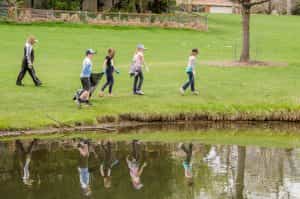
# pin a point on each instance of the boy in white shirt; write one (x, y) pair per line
(190, 70)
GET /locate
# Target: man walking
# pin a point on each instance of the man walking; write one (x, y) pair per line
(27, 63)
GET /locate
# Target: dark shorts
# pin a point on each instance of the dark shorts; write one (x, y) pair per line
(86, 83)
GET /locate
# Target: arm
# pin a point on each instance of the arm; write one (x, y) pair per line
(142, 169)
(101, 170)
(127, 160)
(104, 65)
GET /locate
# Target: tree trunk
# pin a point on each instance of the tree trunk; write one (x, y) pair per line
(270, 7)
(245, 55)
(239, 183)
(288, 7)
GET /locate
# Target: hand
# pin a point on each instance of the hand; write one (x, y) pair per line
(136, 73)
(30, 65)
(146, 68)
(145, 164)
(194, 72)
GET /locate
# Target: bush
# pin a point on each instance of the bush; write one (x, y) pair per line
(63, 4)
(296, 10)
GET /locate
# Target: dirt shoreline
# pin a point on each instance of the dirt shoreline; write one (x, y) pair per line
(127, 122)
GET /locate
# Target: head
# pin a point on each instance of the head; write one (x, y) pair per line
(31, 40)
(90, 53)
(195, 51)
(111, 52)
(190, 182)
(140, 48)
(137, 185)
(107, 182)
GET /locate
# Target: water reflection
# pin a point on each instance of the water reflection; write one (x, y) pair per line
(136, 167)
(187, 163)
(109, 161)
(105, 169)
(24, 154)
(83, 167)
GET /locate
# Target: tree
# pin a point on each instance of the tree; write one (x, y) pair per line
(296, 9)
(239, 184)
(246, 6)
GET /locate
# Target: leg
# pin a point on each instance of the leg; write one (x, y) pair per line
(135, 151)
(21, 75)
(33, 76)
(184, 149)
(84, 96)
(86, 85)
(136, 78)
(20, 146)
(111, 84)
(141, 81)
(192, 80)
(187, 84)
(190, 153)
(106, 83)
(31, 146)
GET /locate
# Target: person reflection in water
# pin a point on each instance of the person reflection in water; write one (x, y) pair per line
(84, 174)
(25, 159)
(135, 170)
(187, 163)
(108, 163)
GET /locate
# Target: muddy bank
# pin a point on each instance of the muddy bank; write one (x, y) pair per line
(285, 119)
(152, 126)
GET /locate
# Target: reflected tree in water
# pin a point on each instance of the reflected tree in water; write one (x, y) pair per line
(239, 184)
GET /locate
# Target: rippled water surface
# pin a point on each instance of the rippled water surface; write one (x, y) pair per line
(77, 168)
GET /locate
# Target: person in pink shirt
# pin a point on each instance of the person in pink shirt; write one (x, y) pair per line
(135, 170)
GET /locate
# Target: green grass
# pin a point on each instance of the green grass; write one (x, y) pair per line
(223, 90)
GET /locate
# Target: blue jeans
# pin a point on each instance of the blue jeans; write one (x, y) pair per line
(190, 82)
(138, 82)
(109, 82)
(84, 177)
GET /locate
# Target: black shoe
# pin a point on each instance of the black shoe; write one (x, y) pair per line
(88, 103)
(38, 84)
(19, 84)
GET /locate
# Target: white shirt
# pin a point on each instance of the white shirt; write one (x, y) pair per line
(192, 61)
(28, 47)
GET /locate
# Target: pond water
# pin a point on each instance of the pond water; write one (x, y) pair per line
(78, 168)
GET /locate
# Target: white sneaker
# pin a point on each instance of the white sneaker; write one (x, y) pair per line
(181, 91)
(195, 93)
(140, 92)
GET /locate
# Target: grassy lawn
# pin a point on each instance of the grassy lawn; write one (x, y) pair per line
(222, 90)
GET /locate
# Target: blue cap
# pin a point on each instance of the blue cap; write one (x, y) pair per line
(90, 51)
(141, 46)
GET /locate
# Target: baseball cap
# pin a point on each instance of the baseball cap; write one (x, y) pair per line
(90, 51)
(141, 46)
